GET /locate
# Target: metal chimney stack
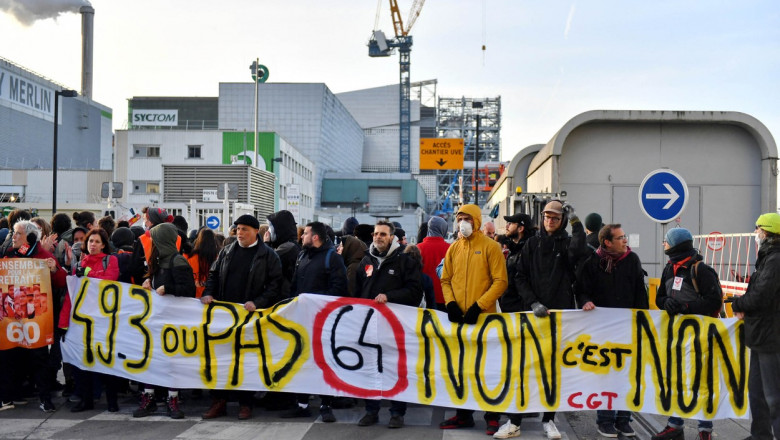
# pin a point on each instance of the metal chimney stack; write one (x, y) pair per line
(87, 33)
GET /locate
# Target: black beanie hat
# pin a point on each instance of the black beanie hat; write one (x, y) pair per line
(247, 220)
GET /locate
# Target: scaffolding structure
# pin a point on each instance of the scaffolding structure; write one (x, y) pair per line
(457, 118)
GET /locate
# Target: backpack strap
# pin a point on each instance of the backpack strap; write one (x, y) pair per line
(694, 271)
(105, 262)
(327, 258)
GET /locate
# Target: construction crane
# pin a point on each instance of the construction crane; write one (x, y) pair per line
(380, 46)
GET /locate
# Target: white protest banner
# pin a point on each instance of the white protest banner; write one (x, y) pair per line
(637, 360)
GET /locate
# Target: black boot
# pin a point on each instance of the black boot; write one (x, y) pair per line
(83, 405)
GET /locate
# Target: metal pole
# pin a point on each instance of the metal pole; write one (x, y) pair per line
(226, 212)
(54, 159)
(57, 93)
(476, 165)
(257, 79)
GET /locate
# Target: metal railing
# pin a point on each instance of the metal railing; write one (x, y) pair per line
(731, 255)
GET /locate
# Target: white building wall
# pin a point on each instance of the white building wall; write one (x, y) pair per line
(73, 186)
(381, 152)
(377, 111)
(173, 145)
(296, 169)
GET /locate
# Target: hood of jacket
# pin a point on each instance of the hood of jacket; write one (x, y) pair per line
(284, 226)
(374, 252)
(164, 238)
(349, 226)
(475, 213)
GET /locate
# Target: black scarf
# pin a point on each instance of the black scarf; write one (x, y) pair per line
(30, 252)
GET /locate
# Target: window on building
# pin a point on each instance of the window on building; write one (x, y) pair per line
(10, 197)
(193, 151)
(140, 150)
(144, 187)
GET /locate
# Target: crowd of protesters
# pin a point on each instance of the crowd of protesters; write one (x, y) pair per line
(526, 269)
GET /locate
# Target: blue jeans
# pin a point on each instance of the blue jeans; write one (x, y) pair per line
(764, 395)
(612, 417)
(396, 408)
(676, 422)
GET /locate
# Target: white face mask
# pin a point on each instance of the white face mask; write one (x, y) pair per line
(758, 239)
(465, 228)
(271, 232)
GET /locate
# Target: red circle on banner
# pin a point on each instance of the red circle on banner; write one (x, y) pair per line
(715, 241)
(330, 376)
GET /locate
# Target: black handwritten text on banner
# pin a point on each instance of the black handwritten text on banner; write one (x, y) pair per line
(637, 360)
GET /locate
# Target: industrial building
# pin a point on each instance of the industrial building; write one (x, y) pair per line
(174, 152)
(27, 139)
(598, 160)
(308, 116)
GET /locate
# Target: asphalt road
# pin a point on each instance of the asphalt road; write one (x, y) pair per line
(29, 422)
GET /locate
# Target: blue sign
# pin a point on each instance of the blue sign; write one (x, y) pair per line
(213, 222)
(663, 195)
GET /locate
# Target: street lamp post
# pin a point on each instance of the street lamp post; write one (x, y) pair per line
(57, 93)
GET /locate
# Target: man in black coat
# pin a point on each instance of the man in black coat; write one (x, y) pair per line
(519, 228)
(282, 236)
(546, 273)
(387, 275)
(688, 286)
(760, 308)
(613, 277)
(320, 270)
(246, 272)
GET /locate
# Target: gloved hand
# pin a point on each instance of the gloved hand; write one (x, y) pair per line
(539, 310)
(472, 314)
(568, 209)
(60, 333)
(454, 313)
(673, 307)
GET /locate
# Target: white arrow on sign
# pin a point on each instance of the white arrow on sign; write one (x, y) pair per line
(672, 196)
(213, 222)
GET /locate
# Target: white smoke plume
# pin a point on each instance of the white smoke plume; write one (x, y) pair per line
(29, 11)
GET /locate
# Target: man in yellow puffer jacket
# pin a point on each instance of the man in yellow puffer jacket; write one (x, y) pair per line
(473, 278)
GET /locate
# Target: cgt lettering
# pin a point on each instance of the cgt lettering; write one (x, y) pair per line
(593, 401)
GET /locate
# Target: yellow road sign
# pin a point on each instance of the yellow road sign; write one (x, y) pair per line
(441, 154)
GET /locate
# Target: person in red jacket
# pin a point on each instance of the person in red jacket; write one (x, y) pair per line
(26, 244)
(433, 249)
(95, 263)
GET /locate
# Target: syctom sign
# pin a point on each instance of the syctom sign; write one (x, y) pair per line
(155, 117)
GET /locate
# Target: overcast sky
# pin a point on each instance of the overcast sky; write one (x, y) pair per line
(548, 60)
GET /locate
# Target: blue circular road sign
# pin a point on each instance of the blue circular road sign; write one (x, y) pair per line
(663, 195)
(213, 222)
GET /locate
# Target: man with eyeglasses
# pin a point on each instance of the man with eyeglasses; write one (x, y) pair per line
(546, 271)
(387, 275)
(613, 277)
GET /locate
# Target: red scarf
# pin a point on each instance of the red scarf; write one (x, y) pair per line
(610, 259)
(679, 264)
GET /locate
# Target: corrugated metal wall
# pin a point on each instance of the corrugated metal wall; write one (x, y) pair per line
(182, 183)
